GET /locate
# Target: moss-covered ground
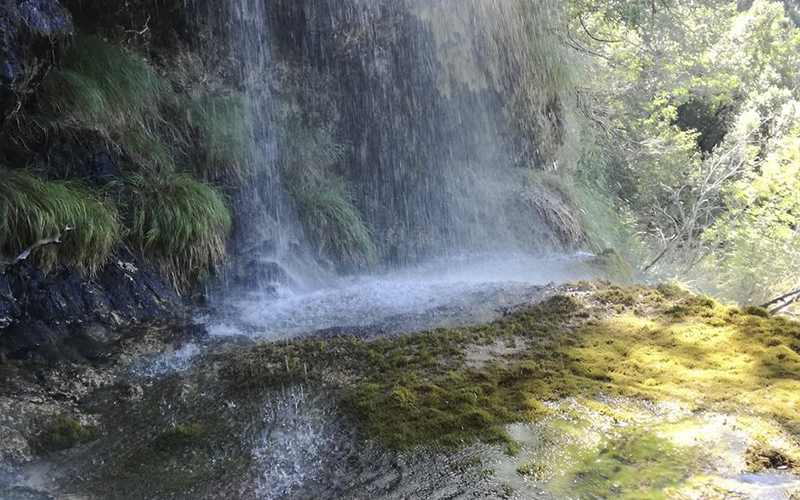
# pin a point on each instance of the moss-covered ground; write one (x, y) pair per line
(651, 344)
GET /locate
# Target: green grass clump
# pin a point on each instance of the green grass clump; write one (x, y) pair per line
(180, 223)
(32, 209)
(322, 198)
(107, 88)
(62, 433)
(333, 224)
(224, 122)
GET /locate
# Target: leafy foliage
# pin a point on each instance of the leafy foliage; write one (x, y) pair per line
(32, 209)
(694, 106)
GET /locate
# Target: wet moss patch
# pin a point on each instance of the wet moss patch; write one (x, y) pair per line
(63, 432)
(180, 435)
(659, 344)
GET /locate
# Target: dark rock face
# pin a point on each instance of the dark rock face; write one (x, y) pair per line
(33, 34)
(65, 316)
(86, 156)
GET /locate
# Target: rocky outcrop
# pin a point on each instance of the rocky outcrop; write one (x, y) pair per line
(33, 35)
(66, 316)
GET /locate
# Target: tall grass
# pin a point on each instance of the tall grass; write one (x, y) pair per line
(32, 209)
(179, 223)
(224, 122)
(323, 199)
(333, 223)
(105, 87)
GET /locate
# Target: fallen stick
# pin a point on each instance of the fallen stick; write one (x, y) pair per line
(53, 240)
(778, 299)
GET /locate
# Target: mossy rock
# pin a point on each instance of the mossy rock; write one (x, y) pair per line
(62, 433)
(180, 436)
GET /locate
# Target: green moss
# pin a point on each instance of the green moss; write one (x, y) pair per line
(62, 433)
(32, 209)
(180, 435)
(617, 295)
(631, 466)
(756, 311)
(533, 470)
(422, 389)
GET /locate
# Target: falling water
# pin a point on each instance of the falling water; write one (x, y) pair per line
(431, 101)
(443, 109)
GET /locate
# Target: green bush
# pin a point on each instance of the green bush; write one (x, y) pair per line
(32, 209)
(178, 222)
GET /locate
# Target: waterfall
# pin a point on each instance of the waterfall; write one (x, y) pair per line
(420, 120)
(440, 108)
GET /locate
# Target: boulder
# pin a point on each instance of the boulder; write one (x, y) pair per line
(34, 34)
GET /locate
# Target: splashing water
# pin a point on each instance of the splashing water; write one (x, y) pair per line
(443, 292)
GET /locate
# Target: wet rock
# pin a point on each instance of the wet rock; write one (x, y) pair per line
(14, 448)
(85, 155)
(65, 316)
(253, 273)
(21, 493)
(33, 36)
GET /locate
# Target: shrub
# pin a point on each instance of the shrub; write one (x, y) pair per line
(178, 222)
(32, 209)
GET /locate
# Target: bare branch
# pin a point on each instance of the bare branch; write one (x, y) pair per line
(53, 240)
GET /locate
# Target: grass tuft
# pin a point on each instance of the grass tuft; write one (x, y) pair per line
(107, 88)
(225, 124)
(32, 209)
(323, 200)
(178, 222)
(333, 224)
